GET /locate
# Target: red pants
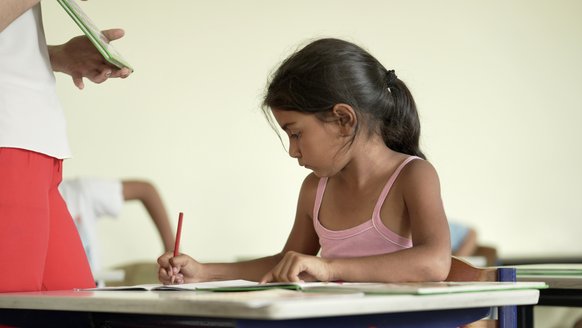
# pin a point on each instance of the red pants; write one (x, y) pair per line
(40, 248)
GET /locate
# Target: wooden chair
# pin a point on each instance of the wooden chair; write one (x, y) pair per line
(489, 253)
(464, 271)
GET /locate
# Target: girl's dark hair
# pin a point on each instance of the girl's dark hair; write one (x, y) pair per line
(327, 72)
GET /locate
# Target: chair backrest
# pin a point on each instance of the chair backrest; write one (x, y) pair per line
(462, 270)
(487, 252)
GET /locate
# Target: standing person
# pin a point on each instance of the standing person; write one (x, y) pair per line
(372, 204)
(39, 245)
(89, 199)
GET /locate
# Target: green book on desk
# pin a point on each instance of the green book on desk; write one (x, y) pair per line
(550, 269)
(425, 288)
(556, 275)
(94, 34)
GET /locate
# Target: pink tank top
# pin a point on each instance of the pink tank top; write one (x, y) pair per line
(369, 238)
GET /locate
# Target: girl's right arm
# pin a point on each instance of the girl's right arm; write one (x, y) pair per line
(12, 9)
(302, 239)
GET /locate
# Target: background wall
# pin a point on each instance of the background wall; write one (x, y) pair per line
(497, 84)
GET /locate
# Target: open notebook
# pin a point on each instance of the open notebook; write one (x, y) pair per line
(94, 34)
(425, 288)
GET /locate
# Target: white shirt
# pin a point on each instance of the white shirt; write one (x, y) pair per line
(31, 116)
(89, 199)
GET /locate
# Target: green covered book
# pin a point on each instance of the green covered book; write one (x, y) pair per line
(549, 269)
(94, 34)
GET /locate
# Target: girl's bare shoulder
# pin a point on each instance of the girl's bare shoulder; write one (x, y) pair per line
(418, 172)
(307, 195)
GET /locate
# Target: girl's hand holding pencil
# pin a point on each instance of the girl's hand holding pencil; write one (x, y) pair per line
(178, 269)
(172, 264)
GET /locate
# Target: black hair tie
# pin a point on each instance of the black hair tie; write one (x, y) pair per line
(391, 77)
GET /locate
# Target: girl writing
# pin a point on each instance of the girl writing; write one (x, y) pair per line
(372, 205)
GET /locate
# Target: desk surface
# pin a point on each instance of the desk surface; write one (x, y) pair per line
(540, 259)
(556, 275)
(564, 289)
(270, 304)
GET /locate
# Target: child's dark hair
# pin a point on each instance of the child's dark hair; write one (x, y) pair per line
(330, 71)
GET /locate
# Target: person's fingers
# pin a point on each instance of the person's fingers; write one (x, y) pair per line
(125, 72)
(165, 272)
(163, 260)
(294, 272)
(268, 277)
(163, 276)
(276, 271)
(295, 268)
(288, 268)
(78, 81)
(179, 261)
(114, 34)
(285, 273)
(121, 73)
(101, 75)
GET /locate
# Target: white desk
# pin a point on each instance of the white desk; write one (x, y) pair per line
(255, 309)
(556, 282)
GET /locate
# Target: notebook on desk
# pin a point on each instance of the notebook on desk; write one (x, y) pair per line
(425, 288)
(94, 34)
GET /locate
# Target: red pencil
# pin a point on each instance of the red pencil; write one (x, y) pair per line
(178, 234)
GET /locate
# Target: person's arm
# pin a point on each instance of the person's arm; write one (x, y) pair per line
(428, 260)
(468, 245)
(302, 239)
(12, 9)
(78, 57)
(146, 193)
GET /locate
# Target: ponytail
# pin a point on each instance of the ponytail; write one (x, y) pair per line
(400, 123)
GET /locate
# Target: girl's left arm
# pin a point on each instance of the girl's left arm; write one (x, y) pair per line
(430, 257)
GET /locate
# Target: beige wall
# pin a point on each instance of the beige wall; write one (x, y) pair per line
(497, 85)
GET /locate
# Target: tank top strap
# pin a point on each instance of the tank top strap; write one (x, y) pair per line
(319, 197)
(389, 184)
